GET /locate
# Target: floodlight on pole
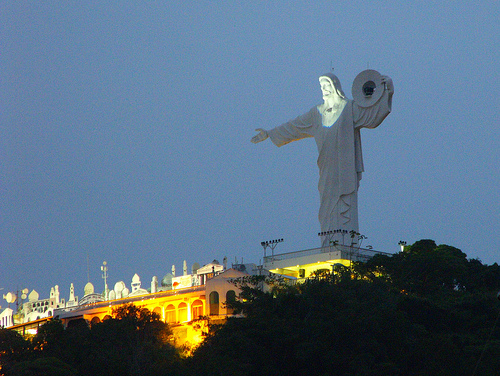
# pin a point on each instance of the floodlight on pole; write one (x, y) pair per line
(270, 244)
(330, 235)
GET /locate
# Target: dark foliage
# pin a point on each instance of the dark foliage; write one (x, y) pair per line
(133, 342)
(13, 349)
(46, 366)
(425, 311)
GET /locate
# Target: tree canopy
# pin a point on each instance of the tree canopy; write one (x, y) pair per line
(428, 310)
(425, 311)
(133, 342)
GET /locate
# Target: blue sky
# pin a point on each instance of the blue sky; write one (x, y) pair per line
(125, 131)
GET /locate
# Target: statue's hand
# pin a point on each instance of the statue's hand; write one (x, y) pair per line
(388, 83)
(259, 137)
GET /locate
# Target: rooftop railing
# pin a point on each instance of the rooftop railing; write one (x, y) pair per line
(352, 253)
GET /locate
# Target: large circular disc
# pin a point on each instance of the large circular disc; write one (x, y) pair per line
(367, 88)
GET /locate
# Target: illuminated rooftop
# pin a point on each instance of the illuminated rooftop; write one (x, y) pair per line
(301, 264)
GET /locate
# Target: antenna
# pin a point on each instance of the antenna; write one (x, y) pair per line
(104, 269)
(331, 65)
(88, 267)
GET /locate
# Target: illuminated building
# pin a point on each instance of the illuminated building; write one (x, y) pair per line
(302, 264)
(187, 302)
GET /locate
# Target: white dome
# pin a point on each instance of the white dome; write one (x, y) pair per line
(119, 286)
(89, 289)
(33, 296)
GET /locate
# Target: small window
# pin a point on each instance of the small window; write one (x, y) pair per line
(230, 298)
(183, 312)
(157, 310)
(170, 313)
(214, 303)
(197, 309)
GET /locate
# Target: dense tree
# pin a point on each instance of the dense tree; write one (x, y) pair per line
(323, 328)
(133, 342)
(425, 268)
(425, 311)
(46, 366)
(13, 349)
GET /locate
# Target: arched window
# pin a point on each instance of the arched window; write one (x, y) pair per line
(95, 320)
(230, 298)
(183, 312)
(170, 314)
(157, 310)
(197, 309)
(214, 303)
(107, 317)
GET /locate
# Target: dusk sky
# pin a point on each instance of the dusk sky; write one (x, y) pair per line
(125, 131)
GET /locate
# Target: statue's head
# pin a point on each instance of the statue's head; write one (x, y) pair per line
(330, 85)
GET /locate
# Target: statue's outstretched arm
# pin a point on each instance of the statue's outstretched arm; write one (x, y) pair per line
(261, 136)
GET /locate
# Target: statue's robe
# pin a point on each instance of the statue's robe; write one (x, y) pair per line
(340, 159)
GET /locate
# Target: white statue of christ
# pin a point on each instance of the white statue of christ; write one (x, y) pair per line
(335, 125)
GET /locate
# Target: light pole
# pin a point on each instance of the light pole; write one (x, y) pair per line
(270, 244)
(329, 235)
